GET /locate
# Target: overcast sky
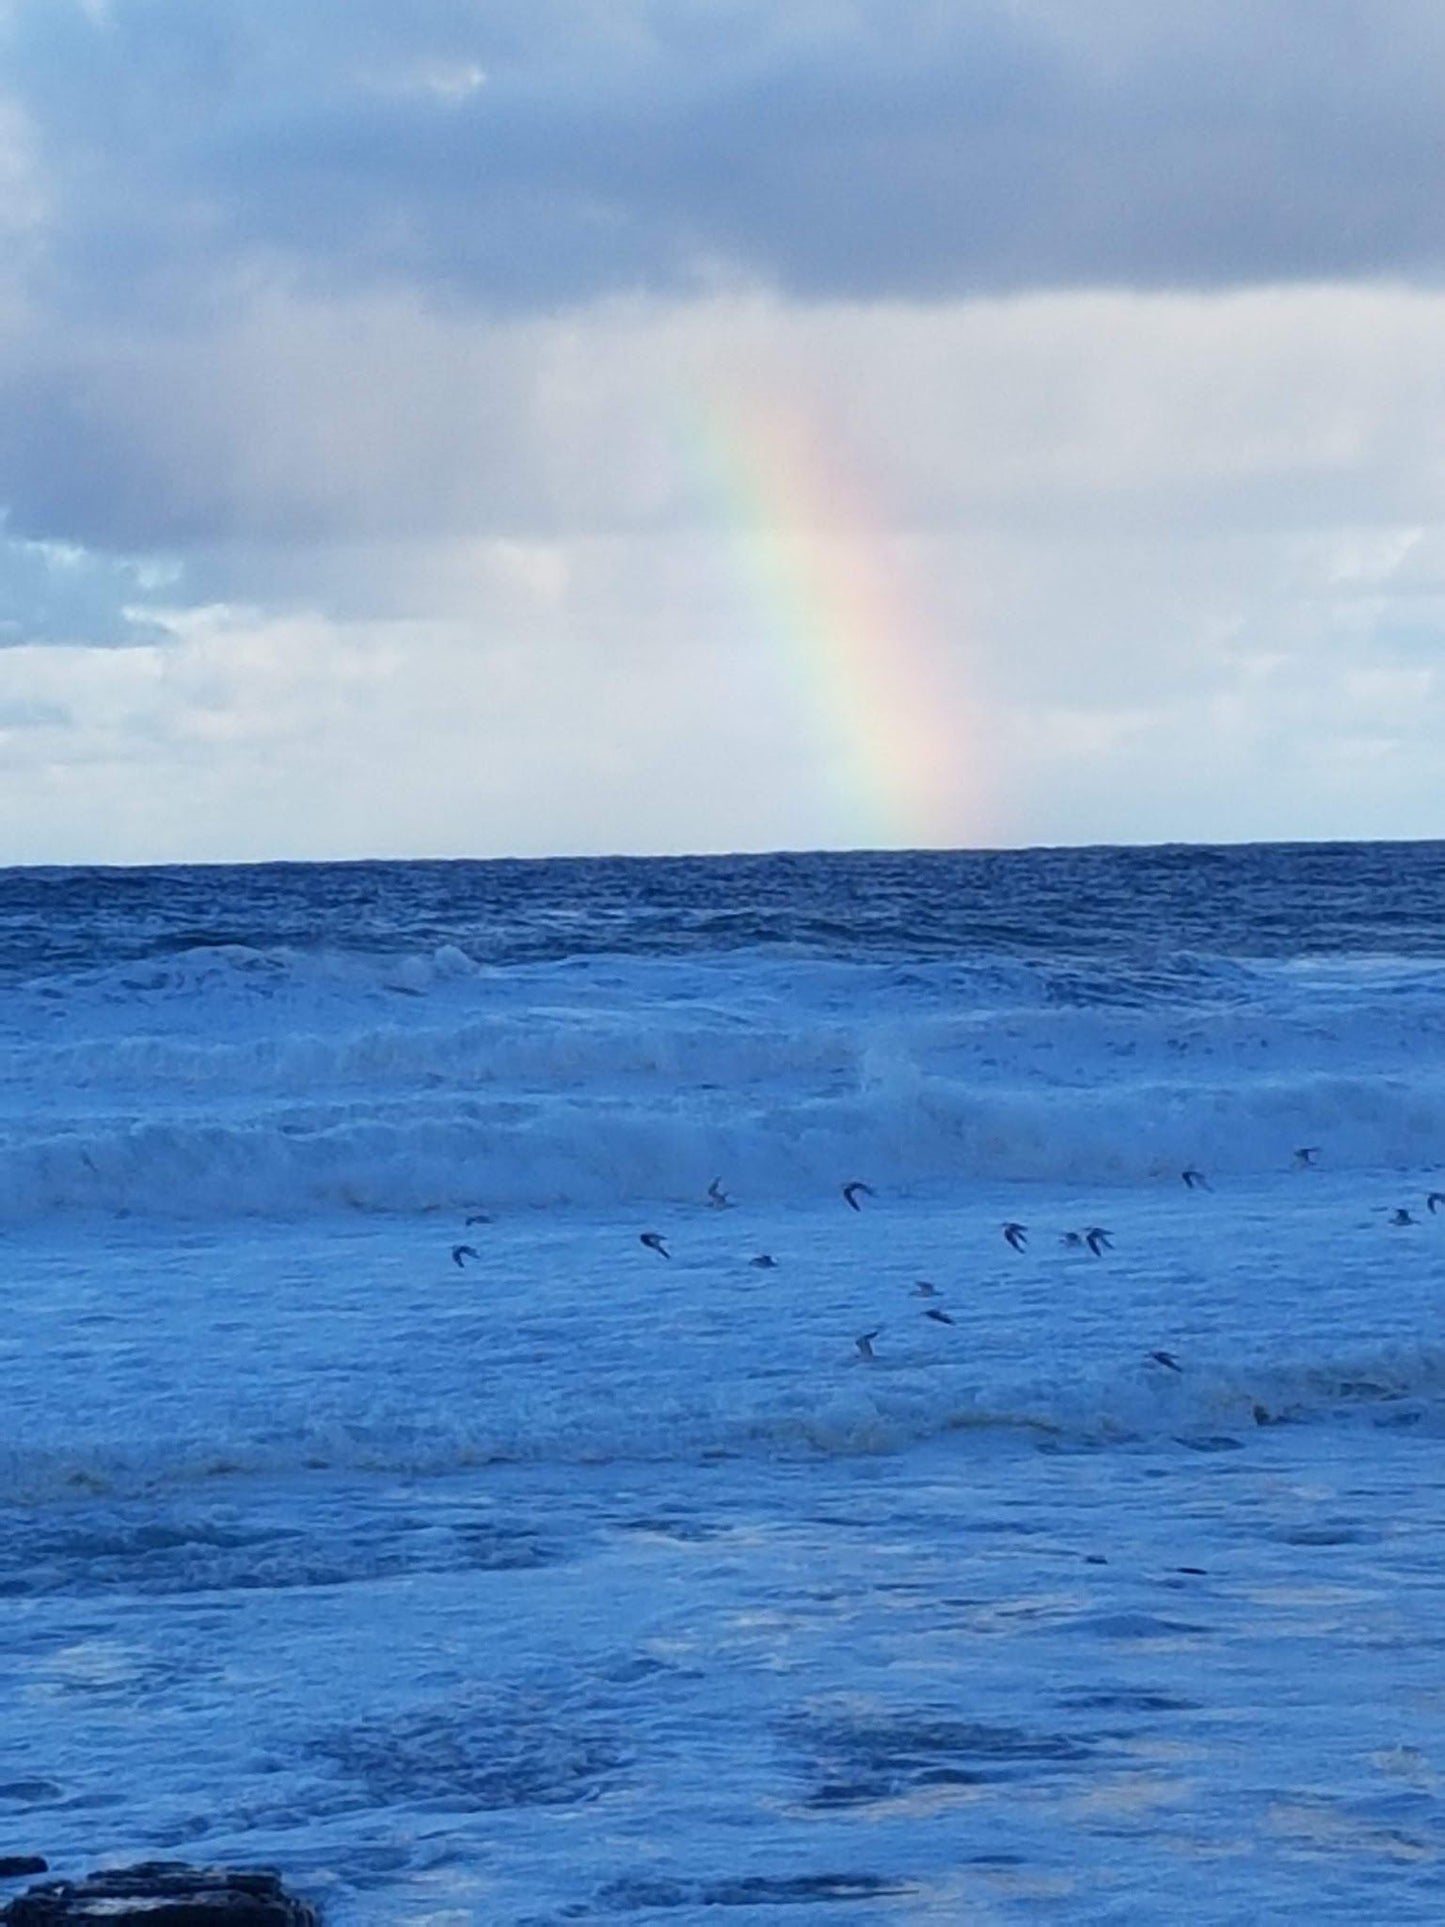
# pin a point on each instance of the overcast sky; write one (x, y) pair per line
(484, 427)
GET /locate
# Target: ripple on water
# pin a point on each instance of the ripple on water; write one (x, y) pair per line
(1127, 1699)
(1326, 1533)
(855, 1759)
(126, 1551)
(30, 1793)
(484, 1749)
(1145, 1627)
(749, 1890)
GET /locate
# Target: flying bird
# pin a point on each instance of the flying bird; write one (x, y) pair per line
(1167, 1360)
(764, 1261)
(1194, 1180)
(850, 1192)
(865, 1343)
(480, 1217)
(1072, 1241)
(461, 1253)
(717, 1197)
(924, 1290)
(1305, 1156)
(1098, 1239)
(1017, 1235)
(938, 1317)
(1435, 1200)
(653, 1241)
(1402, 1216)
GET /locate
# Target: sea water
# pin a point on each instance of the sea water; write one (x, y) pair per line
(374, 1504)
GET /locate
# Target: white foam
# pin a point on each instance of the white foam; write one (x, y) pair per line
(183, 1089)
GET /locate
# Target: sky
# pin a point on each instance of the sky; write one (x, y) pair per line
(518, 427)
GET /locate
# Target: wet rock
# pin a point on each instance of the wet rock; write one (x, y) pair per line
(161, 1893)
(14, 1866)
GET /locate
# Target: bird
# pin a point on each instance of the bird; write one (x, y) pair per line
(1401, 1216)
(764, 1261)
(851, 1190)
(1017, 1235)
(717, 1197)
(653, 1241)
(1098, 1239)
(1167, 1360)
(938, 1317)
(865, 1342)
(1072, 1241)
(1305, 1156)
(480, 1217)
(1194, 1180)
(1435, 1200)
(461, 1253)
(924, 1290)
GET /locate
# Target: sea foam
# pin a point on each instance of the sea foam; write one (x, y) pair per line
(186, 1091)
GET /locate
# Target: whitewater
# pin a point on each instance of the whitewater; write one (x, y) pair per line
(375, 1505)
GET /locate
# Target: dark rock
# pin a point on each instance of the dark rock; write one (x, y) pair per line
(13, 1865)
(164, 1893)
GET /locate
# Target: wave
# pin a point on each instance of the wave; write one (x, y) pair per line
(885, 1408)
(226, 972)
(691, 1029)
(375, 1086)
(427, 1150)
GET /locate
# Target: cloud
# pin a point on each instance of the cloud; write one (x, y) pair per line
(307, 422)
(251, 735)
(529, 156)
(31, 715)
(638, 693)
(1161, 566)
(408, 391)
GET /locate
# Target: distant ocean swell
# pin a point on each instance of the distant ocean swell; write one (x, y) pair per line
(237, 973)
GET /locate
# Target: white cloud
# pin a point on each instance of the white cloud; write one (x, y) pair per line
(249, 735)
(1168, 567)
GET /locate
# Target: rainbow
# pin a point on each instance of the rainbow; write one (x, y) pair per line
(848, 630)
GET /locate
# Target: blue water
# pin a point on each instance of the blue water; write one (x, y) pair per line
(373, 1503)
(1260, 900)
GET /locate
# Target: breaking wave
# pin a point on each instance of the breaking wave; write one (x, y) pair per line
(1209, 1405)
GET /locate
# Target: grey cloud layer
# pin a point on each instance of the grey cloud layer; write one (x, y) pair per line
(528, 155)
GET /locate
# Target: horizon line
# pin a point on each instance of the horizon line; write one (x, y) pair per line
(728, 856)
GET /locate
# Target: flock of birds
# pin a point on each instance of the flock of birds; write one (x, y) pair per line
(1094, 1238)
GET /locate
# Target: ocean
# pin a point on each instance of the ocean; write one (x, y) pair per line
(376, 1505)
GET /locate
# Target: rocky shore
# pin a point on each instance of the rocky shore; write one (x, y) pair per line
(157, 1893)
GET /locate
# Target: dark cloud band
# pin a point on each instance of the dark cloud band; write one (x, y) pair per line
(525, 156)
